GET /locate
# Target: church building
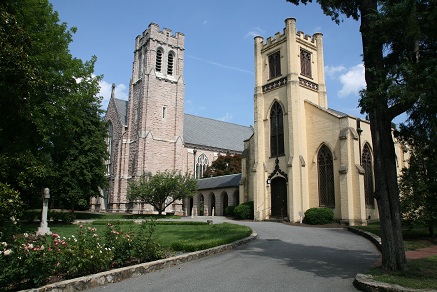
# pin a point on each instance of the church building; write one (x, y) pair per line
(300, 154)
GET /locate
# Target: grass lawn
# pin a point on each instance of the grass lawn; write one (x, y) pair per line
(421, 273)
(414, 238)
(171, 235)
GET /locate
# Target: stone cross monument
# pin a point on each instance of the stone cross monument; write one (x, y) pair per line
(44, 229)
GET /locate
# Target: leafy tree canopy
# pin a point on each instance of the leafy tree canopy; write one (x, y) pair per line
(51, 131)
(223, 165)
(162, 189)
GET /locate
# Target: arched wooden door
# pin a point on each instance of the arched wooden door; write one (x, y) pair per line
(279, 198)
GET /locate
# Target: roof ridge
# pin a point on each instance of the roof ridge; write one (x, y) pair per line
(206, 118)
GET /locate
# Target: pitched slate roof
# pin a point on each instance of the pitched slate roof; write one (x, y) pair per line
(214, 133)
(331, 111)
(203, 131)
(225, 181)
(121, 106)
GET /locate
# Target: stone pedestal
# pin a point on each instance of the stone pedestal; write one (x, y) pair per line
(44, 229)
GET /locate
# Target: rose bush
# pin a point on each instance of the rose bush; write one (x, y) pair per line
(30, 261)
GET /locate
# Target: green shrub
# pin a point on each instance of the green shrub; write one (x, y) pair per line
(229, 211)
(10, 210)
(244, 211)
(319, 216)
(31, 215)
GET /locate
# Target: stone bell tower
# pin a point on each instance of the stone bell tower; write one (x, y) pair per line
(289, 74)
(153, 136)
(156, 102)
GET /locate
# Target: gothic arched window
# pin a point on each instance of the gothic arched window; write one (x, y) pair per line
(274, 65)
(276, 130)
(109, 140)
(367, 164)
(305, 63)
(202, 164)
(170, 63)
(158, 60)
(325, 165)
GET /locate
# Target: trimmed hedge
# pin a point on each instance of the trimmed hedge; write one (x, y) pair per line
(319, 216)
(52, 215)
(244, 211)
(229, 211)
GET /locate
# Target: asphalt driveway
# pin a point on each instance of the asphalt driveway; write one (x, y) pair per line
(282, 258)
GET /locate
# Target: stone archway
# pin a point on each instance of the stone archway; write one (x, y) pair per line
(190, 207)
(212, 204)
(279, 207)
(225, 203)
(201, 210)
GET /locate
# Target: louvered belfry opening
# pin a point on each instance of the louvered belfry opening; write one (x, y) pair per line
(158, 60)
(326, 177)
(170, 64)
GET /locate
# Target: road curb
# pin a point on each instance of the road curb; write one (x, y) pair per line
(368, 284)
(364, 282)
(117, 275)
(375, 239)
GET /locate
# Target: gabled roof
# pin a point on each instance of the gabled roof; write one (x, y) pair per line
(214, 133)
(331, 111)
(203, 132)
(225, 181)
(121, 106)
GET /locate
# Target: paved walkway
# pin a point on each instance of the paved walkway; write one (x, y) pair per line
(421, 253)
(283, 258)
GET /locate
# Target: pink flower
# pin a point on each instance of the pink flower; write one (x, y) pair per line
(55, 235)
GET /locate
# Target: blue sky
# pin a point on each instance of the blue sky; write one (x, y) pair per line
(219, 47)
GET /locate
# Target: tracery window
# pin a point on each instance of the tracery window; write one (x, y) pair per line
(276, 130)
(140, 64)
(326, 177)
(202, 164)
(305, 63)
(170, 63)
(367, 164)
(158, 65)
(274, 65)
(109, 140)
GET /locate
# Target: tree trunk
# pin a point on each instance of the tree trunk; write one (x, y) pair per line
(386, 185)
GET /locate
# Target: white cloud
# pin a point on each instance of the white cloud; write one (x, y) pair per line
(331, 71)
(226, 118)
(352, 81)
(105, 91)
(254, 32)
(221, 65)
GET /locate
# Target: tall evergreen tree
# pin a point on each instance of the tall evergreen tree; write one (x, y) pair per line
(395, 36)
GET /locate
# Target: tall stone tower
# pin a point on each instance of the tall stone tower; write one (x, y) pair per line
(288, 74)
(156, 107)
(154, 137)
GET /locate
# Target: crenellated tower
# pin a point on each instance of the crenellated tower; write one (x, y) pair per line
(156, 102)
(154, 137)
(289, 73)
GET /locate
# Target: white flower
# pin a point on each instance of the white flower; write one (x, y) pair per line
(8, 252)
(4, 244)
(31, 245)
(26, 235)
